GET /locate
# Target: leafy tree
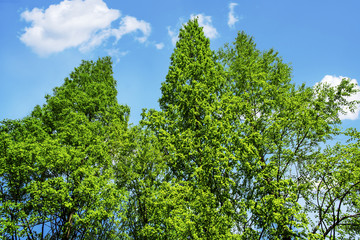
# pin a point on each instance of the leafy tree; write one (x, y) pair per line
(238, 139)
(140, 170)
(237, 151)
(285, 126)
(192, 132)
(336, 188)
(56, 164)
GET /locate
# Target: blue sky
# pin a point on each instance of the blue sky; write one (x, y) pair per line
(42, 41)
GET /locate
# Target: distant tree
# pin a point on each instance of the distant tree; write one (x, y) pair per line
(56, 170)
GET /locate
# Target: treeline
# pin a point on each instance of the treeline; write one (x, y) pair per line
(236, 152)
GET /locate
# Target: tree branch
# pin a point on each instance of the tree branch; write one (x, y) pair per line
(337, 222)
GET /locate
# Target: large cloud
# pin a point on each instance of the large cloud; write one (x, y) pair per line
(76, 23)
(334, 81)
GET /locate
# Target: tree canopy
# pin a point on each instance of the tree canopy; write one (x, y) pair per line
(56, 164)
(236, 151)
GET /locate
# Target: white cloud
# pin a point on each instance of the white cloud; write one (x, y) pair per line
(159, 46)
(334, 81)
(232, 18)
(206, 23)
(173, 35)
(131, 24)
(76, 23)
(116, 53)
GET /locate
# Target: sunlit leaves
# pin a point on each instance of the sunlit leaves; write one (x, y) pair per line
(57, 178)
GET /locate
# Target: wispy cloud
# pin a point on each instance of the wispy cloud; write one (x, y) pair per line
(116, 54)
(206, 23)
(334, 81)
(131, 24)
(173, 35)
(232, 18)
(82, 24)
(159, 46)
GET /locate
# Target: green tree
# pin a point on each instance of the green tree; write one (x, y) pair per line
(191, 131)
(336, 189)
(285, 126)
(238, 139)
(140, 170)
(56, 164)
(237, 151)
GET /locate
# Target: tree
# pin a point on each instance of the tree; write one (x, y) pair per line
(139, 170)
(57, 164)
(336, 188)
(191, 131)
(238, 139)
(237, 151)
(285, 127)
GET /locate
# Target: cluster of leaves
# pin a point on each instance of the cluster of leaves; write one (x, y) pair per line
(233, 153)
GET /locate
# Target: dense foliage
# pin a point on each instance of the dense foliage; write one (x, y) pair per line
(236, 151)
(56, 164)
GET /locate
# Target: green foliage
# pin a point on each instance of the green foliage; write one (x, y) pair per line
(139, 170)
(336, 189)
(285, 127)
(56, 174)
(191, 132)
(237, 151)
(240, 140)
